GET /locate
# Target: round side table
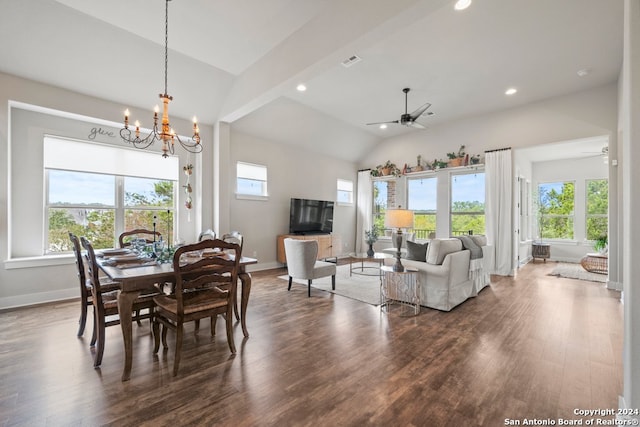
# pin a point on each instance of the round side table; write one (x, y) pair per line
(400, 288)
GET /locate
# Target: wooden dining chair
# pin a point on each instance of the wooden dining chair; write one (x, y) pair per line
(205, 278)
(207, 234)
(105, 303)
(86, 300)
(125, 239)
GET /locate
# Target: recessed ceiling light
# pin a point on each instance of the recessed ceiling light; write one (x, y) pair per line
(301, 87)
(383, 126)
(510, 91)
(584, 72)
(462, 4)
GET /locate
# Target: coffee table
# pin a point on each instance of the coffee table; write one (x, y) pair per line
(366, 270)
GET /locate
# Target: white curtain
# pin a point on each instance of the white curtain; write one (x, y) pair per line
(499, 182)
(364, 205)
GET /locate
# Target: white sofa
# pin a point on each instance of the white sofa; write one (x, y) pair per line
(445, 277)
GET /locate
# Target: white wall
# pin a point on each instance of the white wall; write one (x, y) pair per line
(292, 172)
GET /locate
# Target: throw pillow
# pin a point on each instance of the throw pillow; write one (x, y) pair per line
(439, 248)
(479, 239)
(416, 251)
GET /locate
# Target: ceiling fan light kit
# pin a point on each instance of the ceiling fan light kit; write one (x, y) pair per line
(408, 119)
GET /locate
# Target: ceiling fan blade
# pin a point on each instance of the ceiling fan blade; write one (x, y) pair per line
(416, 125)
(381, 123)
(420, 111)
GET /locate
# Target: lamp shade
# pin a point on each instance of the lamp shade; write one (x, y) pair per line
(398, 218)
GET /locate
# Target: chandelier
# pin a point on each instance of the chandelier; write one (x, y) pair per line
(163, 131)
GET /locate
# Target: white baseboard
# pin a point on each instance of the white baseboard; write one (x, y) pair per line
(614, 286)
(626, 416)
(39, 298)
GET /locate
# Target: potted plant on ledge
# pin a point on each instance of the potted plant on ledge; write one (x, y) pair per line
(456, 159)
(601, 244)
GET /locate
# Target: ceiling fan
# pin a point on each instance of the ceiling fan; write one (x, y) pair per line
(408, 119)
(603, 152)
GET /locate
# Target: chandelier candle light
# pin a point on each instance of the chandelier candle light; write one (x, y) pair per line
(398, 218)
(164, 132)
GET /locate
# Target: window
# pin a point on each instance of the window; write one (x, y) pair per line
(384, 196)
(467, 204)
(597, 198)
(345, 191)
(251, 180)
(101, 205)
(422, 200)
(555, 210)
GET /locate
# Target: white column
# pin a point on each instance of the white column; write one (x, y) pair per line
(223, 171)
(630, 120)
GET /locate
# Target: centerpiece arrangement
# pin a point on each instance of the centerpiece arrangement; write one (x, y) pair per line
(371, 238)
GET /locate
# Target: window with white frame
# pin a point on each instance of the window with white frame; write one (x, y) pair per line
(91, 191)
(251, 180)
(556, 202)
(384, 197)
(467, 203)
(345, 191)
(422, 199)
(597, 217)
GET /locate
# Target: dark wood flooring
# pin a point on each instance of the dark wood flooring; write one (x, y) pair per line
(537, 346)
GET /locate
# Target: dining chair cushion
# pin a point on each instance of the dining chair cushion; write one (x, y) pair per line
(193, 302)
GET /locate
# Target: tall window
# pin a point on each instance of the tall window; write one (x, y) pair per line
(90, 193)
(345, 191)
(597, 197)
(251, 179)
(556, 210)
(422, 200)
(467, 204)
(384, 196)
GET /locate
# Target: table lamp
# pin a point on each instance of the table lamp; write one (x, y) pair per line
(398, 218)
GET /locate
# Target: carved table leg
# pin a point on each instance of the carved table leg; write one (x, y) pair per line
(245, 280)
(125, 305)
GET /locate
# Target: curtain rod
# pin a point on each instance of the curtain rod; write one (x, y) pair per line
(362, 170)
(498, 149)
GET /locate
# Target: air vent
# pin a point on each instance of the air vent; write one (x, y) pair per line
(350, 61)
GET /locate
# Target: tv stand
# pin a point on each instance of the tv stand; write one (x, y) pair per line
(329, 245)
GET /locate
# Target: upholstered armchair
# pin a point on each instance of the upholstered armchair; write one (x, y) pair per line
(302, 262)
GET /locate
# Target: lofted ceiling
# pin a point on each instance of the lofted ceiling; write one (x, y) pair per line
(240, 60)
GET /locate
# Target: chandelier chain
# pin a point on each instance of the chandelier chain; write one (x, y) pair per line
(166, 43)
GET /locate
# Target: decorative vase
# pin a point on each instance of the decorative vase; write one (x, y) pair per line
(370, 251)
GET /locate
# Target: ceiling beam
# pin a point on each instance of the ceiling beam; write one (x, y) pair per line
(344, 28)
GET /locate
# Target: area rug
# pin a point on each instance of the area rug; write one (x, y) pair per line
(575, 271)
(357, 286)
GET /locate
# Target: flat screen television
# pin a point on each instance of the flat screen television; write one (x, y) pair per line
(308, 216)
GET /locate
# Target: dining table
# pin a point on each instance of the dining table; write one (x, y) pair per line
(137, 278)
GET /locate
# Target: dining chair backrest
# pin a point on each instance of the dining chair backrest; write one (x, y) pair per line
(207, 234)
(125, 239)
(234, 237)
(92, 271)
(82, 278)
(205, 266)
